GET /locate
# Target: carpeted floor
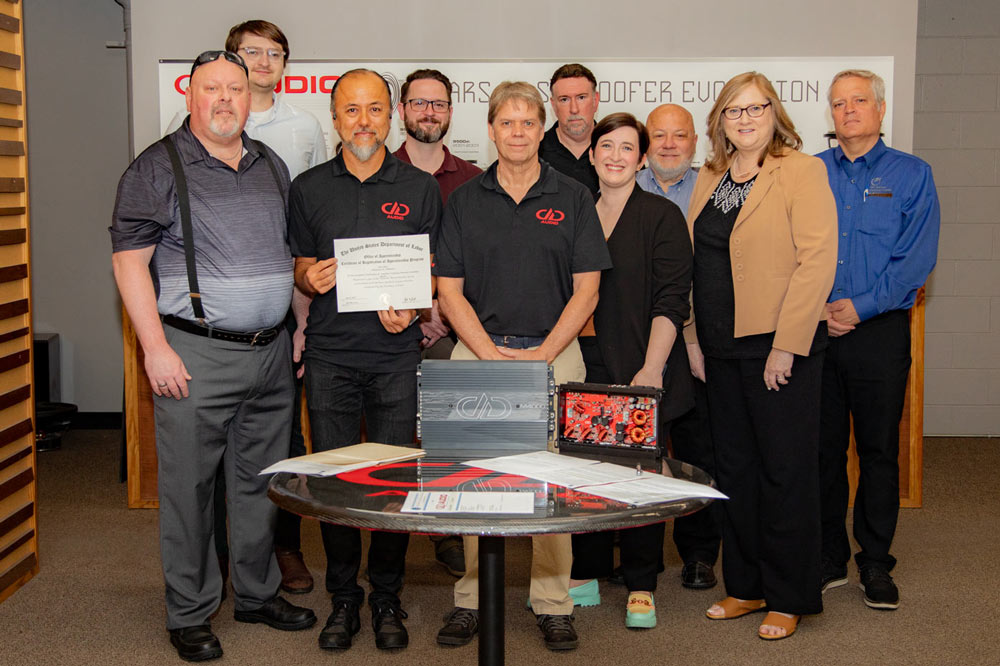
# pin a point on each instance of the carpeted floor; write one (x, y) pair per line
(98, 598)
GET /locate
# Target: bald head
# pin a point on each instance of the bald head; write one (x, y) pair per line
(672, 142)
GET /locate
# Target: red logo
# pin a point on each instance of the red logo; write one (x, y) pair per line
(395, 210)
(550, 216)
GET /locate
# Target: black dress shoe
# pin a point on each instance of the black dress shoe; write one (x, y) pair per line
(459, 627)
(343, 623)
(387, 621)
(196, 643)
(558, 631)
(279, 614)
(698, 576)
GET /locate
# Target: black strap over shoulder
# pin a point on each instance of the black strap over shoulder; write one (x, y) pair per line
(184, 201)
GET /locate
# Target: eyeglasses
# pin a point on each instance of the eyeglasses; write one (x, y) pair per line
(736, 112)
(253, 52)
(211, 56)
(439, 105)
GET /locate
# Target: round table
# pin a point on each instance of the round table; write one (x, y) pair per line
(371, 498)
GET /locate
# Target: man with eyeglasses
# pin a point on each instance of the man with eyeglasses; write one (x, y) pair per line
(425, 110)
(574, 99)
(202, 212)
(360, 363)
(298, 139)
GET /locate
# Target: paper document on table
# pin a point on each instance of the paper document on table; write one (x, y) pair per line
(652, 488)
(345, 459)
(531, 464)
(591, 475)
(468, 502)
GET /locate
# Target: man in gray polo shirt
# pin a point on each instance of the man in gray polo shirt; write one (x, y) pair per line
(217, 358)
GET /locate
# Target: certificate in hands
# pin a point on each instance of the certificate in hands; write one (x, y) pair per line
(382, 271)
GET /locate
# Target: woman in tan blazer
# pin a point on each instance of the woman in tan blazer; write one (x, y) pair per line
(764, 227)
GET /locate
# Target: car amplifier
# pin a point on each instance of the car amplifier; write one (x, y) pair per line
(609, 419)
(483, 409)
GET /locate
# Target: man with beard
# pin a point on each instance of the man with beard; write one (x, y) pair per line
(217, 357)
(298, 139)
(425, 109)
(566, 146)
(359, 363)
(672, 144)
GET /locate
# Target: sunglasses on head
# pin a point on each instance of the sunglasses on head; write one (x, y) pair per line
(211, 56)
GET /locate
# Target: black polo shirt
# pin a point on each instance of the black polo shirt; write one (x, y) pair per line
(559, 156)
(328, 202)
(518, 260)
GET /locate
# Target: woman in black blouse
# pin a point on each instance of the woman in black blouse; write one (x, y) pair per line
(633, 337)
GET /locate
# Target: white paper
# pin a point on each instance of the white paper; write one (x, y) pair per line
(651, 489)
(468, 502)
(531, 464)
(381, 271)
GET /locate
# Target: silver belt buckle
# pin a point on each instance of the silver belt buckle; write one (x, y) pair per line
(256, 335)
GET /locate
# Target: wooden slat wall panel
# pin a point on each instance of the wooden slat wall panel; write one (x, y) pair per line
(18, 516)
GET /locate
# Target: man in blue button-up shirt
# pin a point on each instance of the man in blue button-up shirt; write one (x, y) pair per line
(889, 220)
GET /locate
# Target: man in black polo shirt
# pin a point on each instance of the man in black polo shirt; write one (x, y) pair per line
(518, 266)
(574, 99)
(359, 363)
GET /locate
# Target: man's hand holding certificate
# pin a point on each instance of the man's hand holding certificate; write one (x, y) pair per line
(382, 272)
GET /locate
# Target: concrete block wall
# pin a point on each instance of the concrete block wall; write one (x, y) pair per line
(957, 130)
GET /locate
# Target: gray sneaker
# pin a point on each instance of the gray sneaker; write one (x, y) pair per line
(461, 625)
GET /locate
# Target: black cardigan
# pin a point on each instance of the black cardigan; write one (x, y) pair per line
(651, 252)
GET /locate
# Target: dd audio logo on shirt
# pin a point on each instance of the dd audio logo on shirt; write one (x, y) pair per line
(395, 210)
(550, 216)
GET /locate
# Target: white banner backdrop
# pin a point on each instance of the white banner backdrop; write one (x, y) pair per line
(633, 86)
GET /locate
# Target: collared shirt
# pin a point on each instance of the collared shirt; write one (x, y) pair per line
(328, 202)
(518, 259)
(239, 232)
(679, 192)
(889, 221)
(454, 171)
(294, 134)
(559, 156)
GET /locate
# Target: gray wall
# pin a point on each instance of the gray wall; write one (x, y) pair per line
(77, 149)
(958, 132)
(74, 257)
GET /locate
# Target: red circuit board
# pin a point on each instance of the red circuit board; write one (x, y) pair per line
(609, 416)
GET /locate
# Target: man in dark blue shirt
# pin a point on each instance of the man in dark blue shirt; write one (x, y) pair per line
(889, 221)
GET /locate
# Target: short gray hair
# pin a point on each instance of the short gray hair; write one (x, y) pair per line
(878, 85)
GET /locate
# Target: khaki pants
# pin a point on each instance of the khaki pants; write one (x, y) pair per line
(551, 554)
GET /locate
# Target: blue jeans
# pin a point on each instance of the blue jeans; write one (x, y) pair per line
(337, 397)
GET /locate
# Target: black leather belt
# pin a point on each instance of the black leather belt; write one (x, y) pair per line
(515, 341)
(254, 338)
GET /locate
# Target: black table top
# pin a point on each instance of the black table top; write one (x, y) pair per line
(371, 498)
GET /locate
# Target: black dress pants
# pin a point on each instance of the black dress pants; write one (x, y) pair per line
(864, 375)
(767, 462)
(698, 535)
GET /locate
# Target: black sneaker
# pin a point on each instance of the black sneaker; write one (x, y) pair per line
(460, 626)
(832, 576)
(450, 553)
(343, 623)
(558, 631)
(387, 621)
(880, 592)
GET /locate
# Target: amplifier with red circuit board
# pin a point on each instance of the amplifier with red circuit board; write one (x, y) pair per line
(608, 417)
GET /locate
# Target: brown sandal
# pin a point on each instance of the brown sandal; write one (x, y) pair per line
(789, 624)
(733, 608)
